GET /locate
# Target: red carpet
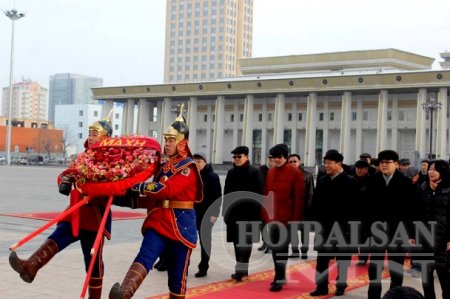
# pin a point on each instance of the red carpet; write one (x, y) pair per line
(300, 284)
(46, 216)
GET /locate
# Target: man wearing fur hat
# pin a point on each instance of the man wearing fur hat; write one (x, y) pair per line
(170, 225)
(334, 199)
(83, 226)
(284, 202)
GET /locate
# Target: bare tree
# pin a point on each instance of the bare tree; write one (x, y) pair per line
(67, 140)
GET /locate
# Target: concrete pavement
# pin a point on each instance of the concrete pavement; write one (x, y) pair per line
(33, 189)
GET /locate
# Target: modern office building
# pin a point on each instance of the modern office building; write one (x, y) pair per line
(355, 102)
(204, 39)
(66, 89)
(29, 101)
(74, 121)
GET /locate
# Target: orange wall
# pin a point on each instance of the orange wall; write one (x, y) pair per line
(26, 137)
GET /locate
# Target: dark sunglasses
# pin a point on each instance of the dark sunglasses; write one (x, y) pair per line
(277, 156)
(237, 157)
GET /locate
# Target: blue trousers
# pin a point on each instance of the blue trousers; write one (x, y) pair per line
(177, 258)
(62, 236)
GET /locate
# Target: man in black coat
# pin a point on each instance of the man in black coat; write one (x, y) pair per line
(391, 206)
(334, 200)
(207, 210)
(238, 210)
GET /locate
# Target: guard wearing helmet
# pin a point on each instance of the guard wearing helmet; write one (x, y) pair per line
(170, 225)
(82, 225)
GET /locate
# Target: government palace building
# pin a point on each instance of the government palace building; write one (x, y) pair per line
(355, 102)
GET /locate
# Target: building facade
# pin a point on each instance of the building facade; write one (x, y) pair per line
(204, 39)
(342, 103)
(66, 89)
(29, 101)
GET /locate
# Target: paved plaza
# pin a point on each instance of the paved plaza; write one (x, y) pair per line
(33, 189)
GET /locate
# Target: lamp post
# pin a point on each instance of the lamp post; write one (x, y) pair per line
(13, 15)
(431, 105)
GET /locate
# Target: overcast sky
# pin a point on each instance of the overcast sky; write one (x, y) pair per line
(123, 41)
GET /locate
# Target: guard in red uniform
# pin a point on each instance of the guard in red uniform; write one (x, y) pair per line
(82, 225)
(170, 225)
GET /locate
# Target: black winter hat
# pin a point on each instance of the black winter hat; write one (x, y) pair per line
(200, 156)
(243, 150)
(279, 150)
(333, 155)
(361, 164)
(388, 155)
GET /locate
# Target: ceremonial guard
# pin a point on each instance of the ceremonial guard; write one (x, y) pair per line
(170, 225)
(82, 225)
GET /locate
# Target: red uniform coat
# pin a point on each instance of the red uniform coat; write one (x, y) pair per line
(89, 215)
(285, 195)
(178, 180)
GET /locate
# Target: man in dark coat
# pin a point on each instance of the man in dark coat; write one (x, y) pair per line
(391, 206)
(207, 211)
(335, 197)
(242, 177)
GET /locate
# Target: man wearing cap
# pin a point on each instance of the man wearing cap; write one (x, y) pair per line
(284, 202)
(237, 211)
(391, 205)
(368, 158)
(83, 227)
(403, 165)
(207, 211)
(170, 225)
(335, 197)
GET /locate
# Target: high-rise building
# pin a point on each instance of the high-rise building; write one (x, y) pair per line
(66, 89)
(205, 38)
(29, 101)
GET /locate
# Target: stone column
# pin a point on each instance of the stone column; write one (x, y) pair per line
(247, 129)
(359, 117)
(278, 126)
(218, 131)
(264, 149)
(325, 125)
(381, 125)
(192, 123)
(421, 124)
(209, 126)
(441, 133)
(165, 117)
(294, 128)
(143, 123)
(394, 127)
(346, 117)
(310, 132)
(128, 117)
(236, 124)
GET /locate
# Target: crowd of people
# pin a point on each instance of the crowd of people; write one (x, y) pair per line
(377, 209)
